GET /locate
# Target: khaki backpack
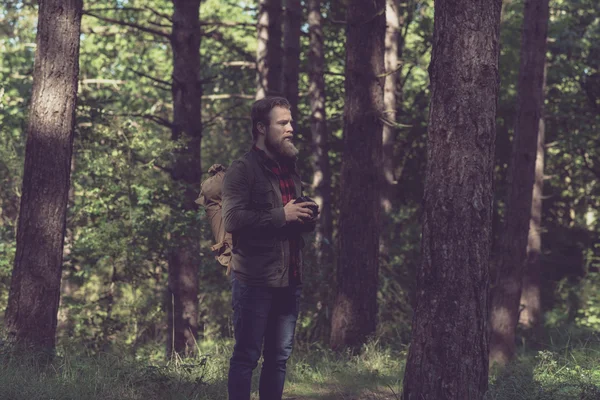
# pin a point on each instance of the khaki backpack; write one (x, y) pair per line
(210, 198)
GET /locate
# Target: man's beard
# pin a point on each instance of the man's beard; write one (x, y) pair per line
(282, 149)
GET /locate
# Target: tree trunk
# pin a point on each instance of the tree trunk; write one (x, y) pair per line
(291, 54)
(321, 183)
(449, 348)
(531, 316)
(269, 53)
(187, 129)
(320, 144)
(355, 309)
(389, 130)
(511, 251)
(31, 315)
(389, 99)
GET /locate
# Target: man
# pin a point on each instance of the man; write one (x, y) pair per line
(259, 190)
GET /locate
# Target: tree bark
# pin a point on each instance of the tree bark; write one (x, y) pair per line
(187, 129)
(320, 143)
(31, 315)
(531, 316)
(354, 315)
(511, 251)
(448, 357)
(291, 53)
(269, 53)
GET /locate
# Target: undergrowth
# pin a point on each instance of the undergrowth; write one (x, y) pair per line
(567, 371)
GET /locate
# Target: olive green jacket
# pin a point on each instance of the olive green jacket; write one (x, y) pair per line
(253, 213)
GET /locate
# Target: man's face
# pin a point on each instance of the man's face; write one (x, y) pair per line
(279, 134)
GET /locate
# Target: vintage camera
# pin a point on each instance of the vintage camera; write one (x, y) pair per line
(313, 207)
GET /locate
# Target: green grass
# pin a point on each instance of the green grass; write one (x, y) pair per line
(568, 371)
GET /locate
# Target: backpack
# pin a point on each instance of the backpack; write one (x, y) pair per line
(210, 198)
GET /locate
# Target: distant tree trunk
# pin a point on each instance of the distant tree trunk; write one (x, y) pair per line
(511, 251)
(531, 316)
(320, 144)
(187, 129)
(389, 130)
(389, 99)
(31, 315)
(449, 348)
(269, 53)
(291, 53)
(354, 315)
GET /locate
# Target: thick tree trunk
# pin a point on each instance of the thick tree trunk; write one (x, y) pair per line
(31, 315)
(531, 316)
(448, 357)
(389, 99)
(320, 144)
(355, 309)
(187, 129)
(291, 53)
(511, 251)
(269, 53)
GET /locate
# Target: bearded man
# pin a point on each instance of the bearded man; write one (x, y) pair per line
(259, 191)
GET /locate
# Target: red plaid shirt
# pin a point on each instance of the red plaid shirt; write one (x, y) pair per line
(288, 193)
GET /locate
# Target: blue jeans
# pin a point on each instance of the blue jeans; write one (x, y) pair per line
(261, 313)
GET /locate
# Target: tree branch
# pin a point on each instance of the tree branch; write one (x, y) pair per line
(228, 23)
(152, 162)
(130, 24)
(228, 96)
(385, 74)
(160, 25)
(159, 14)
(114, 82)
(243, 64)
(157, 80)
(137, 9)
(218, 115)
(587, 164)
(154, 118)
(334, 21)
(228, 43)
(113, 9)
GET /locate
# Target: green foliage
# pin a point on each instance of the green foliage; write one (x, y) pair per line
(72, 376)
(564, 373)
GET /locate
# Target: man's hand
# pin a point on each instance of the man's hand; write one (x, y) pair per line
(298, 212)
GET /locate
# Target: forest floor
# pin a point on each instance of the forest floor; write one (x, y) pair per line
(562, 372)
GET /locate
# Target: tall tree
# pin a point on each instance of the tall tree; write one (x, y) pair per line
(531, 315)
(291, 53)
(449, 347)
(354, 315)
(318, 126)
(389, 98)
(31, 315)
(511, 251)
(187, 131)
(268, 51)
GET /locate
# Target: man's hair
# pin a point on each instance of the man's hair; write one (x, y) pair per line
(261, 109)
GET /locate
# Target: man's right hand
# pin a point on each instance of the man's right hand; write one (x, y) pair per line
(297, 212)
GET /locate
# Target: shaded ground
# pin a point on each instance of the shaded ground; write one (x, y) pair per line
(336, 392)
